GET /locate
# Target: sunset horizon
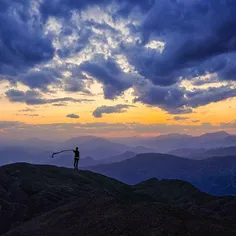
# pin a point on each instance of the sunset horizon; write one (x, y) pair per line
(113, 70)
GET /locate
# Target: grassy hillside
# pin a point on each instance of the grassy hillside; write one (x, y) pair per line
(47, 200)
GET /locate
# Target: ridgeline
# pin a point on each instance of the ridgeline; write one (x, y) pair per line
(47, 200)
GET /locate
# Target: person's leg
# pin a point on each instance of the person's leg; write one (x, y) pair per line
(74, 163)
(77, 161)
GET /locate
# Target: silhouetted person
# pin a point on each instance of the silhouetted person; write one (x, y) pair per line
(76, 158)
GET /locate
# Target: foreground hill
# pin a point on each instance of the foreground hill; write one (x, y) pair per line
(213, 175)
(47, 200)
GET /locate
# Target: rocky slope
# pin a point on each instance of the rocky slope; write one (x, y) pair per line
(47, 200)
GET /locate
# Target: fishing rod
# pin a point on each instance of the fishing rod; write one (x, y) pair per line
(55, 153)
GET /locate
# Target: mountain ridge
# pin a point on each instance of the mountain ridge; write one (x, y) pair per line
(58, 201)
(203, 153)
(214, 175)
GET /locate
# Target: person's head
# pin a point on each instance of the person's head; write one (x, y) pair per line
(77, 148)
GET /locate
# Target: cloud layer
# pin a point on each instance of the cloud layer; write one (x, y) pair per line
(72, 116)
(154, 47)
(32, 97)
(120, 108)
(66, 130)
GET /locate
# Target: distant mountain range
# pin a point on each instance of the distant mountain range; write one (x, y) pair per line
(118, 158)
(93, 147)
(214, 175)
(162, 143)
(47, 200)
(10, 155)
(99, 149)
(67, 160)
(32, 155)
(167, 143)
(203, 153)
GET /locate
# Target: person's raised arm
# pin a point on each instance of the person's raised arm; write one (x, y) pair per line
(55, 153)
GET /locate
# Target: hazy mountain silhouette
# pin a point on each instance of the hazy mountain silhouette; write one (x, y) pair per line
(231, 140)
(141, 149)
(216, 135)
(9, 155)
(78, 140)
(226, 151)
(100, 148)
(87, 161)
(203, 153)
(15, 154)
(95, 148)
(47, 200)
(29, 143)
(167, 143)
(214, 175)
(66, 160)
(149, 140)
(191, 153)
(118, 158)
(34, 150)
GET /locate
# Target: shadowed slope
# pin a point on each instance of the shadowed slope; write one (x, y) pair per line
(47, 200)
(215, 175)
(29, 190)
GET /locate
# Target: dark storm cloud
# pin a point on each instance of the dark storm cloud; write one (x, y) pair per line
(72, 116)
(177, 100)
(150, 64)
(180, 110)
(22, 41)
(32, 97)
(59, 105)
(37, 79)
(78, 45)
(199, 38)
(168, 98)
(179, 118)
(98, 113)
(200, 82)
(21, 96)
(76, 85)
(40, 79)
(199, 98)
(109, 73)
(50, 8)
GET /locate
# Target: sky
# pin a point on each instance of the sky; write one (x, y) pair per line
(116, 68)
